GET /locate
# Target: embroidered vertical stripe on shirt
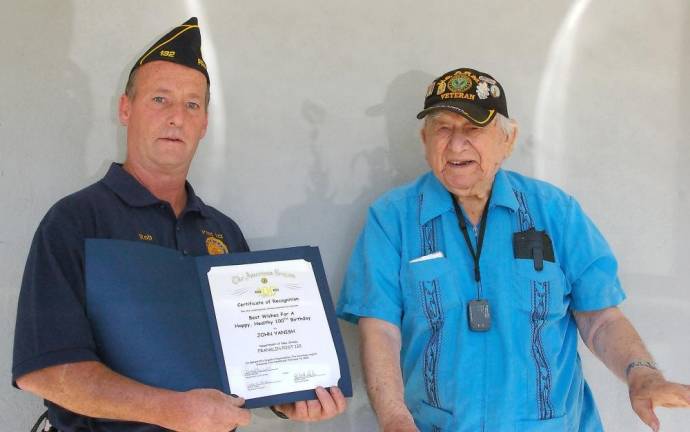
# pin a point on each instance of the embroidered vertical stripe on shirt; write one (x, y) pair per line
(434, 315)
(540, 309)
(433, 311)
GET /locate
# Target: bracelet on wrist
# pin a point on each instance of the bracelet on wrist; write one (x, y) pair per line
(640, 363)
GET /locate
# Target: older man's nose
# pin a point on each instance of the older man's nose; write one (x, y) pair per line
(459, 140)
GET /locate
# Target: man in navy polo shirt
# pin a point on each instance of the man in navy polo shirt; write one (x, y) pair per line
(145, 199)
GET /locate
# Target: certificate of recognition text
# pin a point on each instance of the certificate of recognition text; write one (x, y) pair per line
(273, 328)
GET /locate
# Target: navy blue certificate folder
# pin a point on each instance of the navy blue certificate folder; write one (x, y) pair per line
(152, 316)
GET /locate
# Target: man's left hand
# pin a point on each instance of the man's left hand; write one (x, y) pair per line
(330, 403)
(649, 389)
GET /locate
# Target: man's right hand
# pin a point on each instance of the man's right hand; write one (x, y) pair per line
(210, 410)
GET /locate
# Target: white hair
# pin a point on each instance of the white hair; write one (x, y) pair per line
(505, 123)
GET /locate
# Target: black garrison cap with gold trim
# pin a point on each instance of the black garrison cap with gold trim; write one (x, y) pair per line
(182, 45)
(475, 95)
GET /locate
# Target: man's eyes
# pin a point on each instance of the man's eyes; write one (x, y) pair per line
(467, 130)
(190, 105)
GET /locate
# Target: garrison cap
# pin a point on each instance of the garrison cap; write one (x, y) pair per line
(475, 95)
(182, 45)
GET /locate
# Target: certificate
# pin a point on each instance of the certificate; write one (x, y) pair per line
(257, 324)
(273, 328)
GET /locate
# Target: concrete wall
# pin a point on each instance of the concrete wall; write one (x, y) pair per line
(313, 117)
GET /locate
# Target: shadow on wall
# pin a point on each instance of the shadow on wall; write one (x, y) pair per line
(404, 99)
(333, 226)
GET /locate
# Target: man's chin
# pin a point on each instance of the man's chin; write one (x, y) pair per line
(459, 184)
(172, 164)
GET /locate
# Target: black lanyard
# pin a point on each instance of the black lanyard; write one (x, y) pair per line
(480, 237)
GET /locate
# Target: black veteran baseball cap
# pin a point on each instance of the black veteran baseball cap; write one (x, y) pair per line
(182, 45)
(475, 95)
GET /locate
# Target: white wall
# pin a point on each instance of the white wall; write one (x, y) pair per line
(313, 116)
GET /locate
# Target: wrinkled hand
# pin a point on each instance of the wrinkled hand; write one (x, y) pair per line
(649, 389)
(328, 405)
(210, 410)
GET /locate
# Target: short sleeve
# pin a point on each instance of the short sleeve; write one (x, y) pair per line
(589, 264)
(372, 281)
(52, 327)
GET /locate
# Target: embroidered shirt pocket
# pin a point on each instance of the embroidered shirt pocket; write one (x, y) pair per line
(542, 291)
(430, 288)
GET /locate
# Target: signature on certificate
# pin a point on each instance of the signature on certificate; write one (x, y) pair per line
(306, 375)
(259, 385)
(257, 371)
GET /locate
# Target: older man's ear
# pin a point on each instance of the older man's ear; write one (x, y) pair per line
(511, 137)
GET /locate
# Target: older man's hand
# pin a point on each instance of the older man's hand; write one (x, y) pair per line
(330, 403)
(649, 389)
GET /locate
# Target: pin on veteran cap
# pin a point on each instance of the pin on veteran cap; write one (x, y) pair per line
(182, 45)
(475, 95)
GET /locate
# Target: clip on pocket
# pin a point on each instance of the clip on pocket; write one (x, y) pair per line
(534, 245)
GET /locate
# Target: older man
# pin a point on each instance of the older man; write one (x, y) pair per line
(471, 283)
(145, 199)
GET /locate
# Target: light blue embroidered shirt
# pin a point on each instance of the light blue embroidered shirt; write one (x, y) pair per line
(524, 374)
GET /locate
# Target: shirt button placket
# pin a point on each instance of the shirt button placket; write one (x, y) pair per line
(178, 237)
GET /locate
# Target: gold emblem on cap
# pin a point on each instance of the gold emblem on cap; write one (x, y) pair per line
(459, 82)
(215, 246)
(441, 87)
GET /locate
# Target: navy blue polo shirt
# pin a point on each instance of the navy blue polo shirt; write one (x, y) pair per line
(52, 327)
